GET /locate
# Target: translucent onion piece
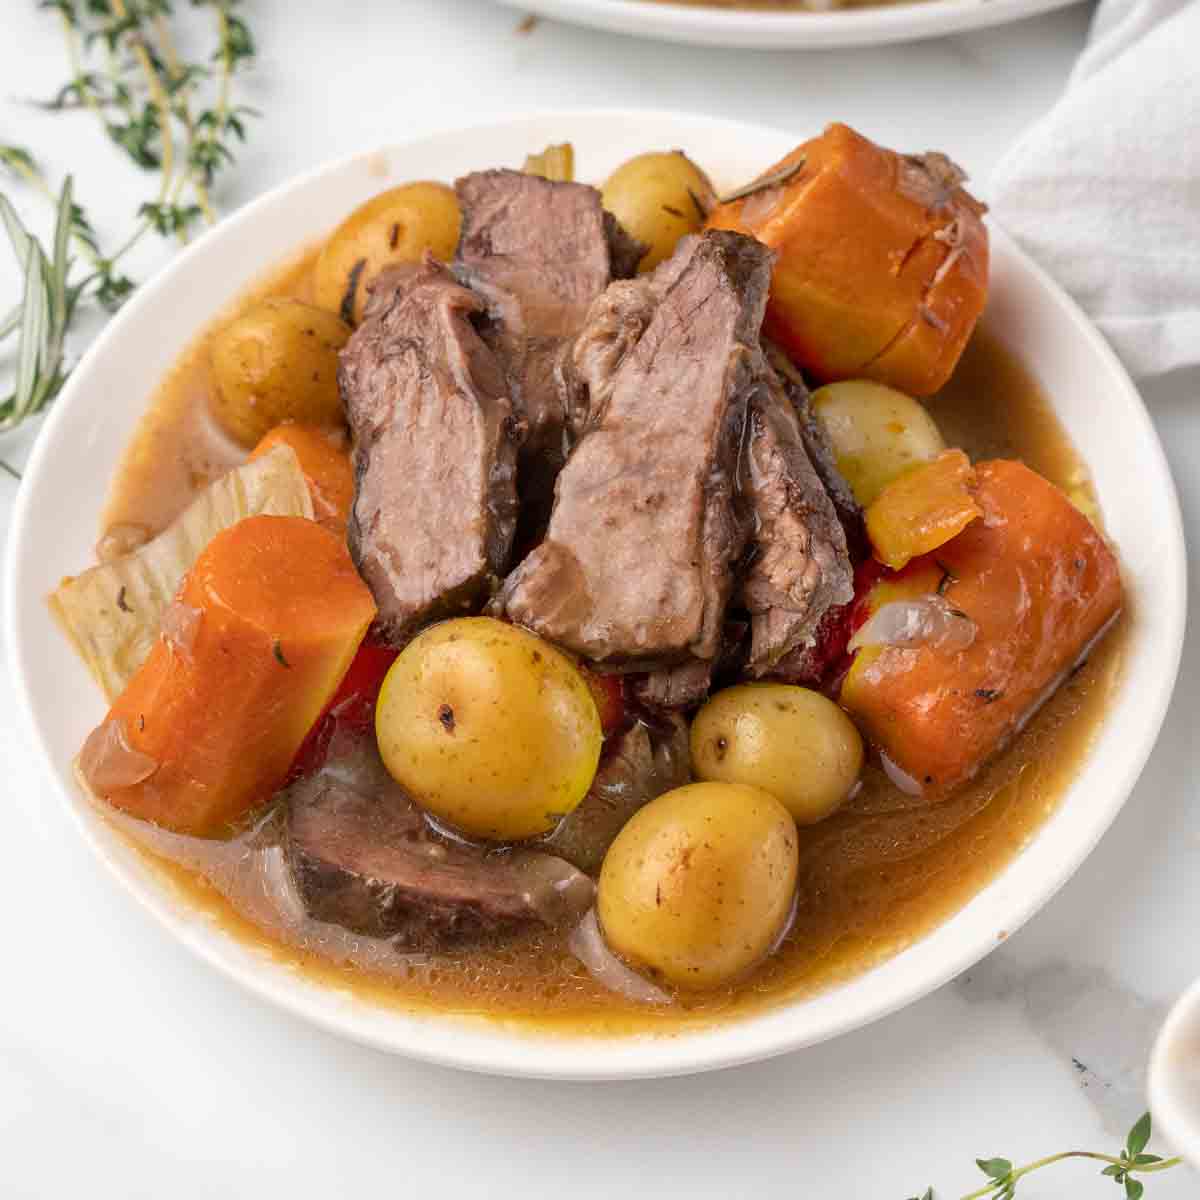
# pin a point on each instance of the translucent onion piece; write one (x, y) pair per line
(112, 612)
(902, 779)
(555, 890)
(108, 762)
(928, 621)
(588, 945)
(179, 626)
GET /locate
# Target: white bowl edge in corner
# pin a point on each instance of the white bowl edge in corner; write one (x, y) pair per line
(1174, 1077)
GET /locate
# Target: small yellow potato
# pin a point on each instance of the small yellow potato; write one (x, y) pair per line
(277, 362)
(698, 886)
(789, 741)
(658, 198)
(489, 728)
(396, 226)
(877, 433)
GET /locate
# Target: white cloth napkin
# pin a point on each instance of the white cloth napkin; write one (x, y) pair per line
(1105, 190)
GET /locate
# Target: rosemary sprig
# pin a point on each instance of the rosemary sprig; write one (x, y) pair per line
(47, 304)
(167, 115)
(1122, 1168)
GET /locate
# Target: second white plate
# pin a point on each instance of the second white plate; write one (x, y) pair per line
(760, 29)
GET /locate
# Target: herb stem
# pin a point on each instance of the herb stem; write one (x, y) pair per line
(174, 74)
(10, 470)
(86, 94)
(159, 99)
(991, 1188)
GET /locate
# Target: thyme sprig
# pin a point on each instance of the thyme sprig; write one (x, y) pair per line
(169, 116)
(1122, 1168)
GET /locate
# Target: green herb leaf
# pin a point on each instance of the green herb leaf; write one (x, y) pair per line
(1144, 1160)
(995, 1168)
(1133, 1188)
(1138, 1137)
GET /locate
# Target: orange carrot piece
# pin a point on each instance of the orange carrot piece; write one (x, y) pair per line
(923, 509)
(883, 262)
(264, 627)
(1040, 584)
(326, 467)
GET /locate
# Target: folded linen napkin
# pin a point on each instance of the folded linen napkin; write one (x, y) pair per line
(1105, 190)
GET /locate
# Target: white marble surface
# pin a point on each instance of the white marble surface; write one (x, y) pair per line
(128, 1069)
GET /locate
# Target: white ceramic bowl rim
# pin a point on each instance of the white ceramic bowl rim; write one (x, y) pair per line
(763, 30)
(78, 448)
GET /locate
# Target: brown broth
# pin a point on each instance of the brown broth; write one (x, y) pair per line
(876, 877)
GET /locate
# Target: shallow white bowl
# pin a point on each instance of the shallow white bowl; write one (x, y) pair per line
(55, 526)
(760, 29)
(1173, 1083)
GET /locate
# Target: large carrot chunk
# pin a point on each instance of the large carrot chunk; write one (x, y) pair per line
(326, 467)
(883, 260)
(1038, 583)
(264, 627)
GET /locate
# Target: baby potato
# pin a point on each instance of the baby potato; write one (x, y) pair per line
(658, 198)
(789, 741)
(396, 226)
(489, 728)
(877, 433)
(698, 885)
(277, 362)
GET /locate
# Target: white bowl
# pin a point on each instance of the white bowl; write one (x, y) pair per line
(761, 29)
(55, 525)
(1174, 1077)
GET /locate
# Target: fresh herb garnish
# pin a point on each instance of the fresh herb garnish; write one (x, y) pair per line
(170, 116)
(763, 182)
(277, 650)
(1121, 1168)
(948, 578)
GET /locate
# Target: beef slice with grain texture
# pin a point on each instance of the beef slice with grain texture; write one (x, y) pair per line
(799, 566)
(539, 252)
(637, 564)
(363, 857)
(435, 446)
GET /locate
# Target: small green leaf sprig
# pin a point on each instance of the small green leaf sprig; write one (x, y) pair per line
(169, 116)
(1122, 1168)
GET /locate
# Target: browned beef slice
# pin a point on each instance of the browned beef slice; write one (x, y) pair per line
(624, 250)
(538, 252)
(368, 861)
(434, 450)
(799, 566)
(647, 761)
(820, 451)
(637, 563)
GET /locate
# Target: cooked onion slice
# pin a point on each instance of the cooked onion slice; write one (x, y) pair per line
(555, 890)
(179, 625)
(588, 945)
(108, 762)
(927, 621)
(901, 778)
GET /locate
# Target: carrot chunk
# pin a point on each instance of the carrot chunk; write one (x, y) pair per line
(257, 641)
(883, 260)
(923, 509)
(1037, 582)
(326, 467)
